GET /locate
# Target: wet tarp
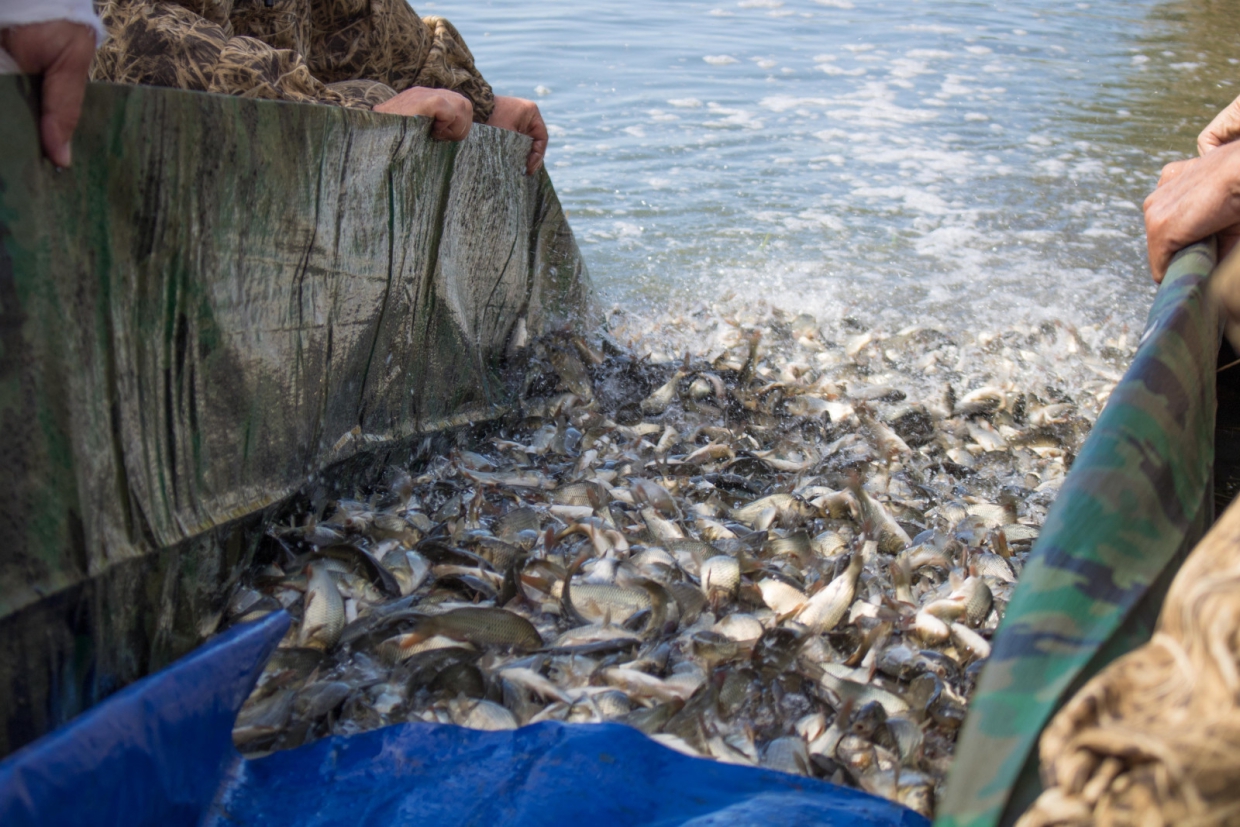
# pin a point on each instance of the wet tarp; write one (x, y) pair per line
(1136, 501)
(160, 753)
(220, 301)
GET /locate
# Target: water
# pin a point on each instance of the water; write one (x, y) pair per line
(940, 162)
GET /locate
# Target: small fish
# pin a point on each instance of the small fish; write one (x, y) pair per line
(860, 694)
(533, 682)
(322, 617)
(489, 716)
(888, 442)
(976, 598)
(784, 504)
(929, 628)
(661, 529)
(587, 494)
(965, 638)
(827, 608)
(661, 399)
(510, 480)
(482, 626)
(712, 452)
(639, 684)
(979, 402)
(783, 599)
(721, 577)
(742, 628)
(891, 537)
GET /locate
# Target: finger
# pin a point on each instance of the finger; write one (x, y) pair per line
(1172, 171)
(64, 87)
(1159, 260)
(453, 117)
(538, 149)
(1223, 129)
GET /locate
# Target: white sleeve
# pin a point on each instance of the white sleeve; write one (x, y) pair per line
(22, 12)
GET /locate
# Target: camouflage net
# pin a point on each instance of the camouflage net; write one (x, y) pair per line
(1154, 739)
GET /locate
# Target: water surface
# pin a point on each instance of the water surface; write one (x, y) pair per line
(950, 162)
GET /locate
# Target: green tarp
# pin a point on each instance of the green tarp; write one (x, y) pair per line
(219, 300)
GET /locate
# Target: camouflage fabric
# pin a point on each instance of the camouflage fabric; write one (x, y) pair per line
(1137, 499)
(355, 53)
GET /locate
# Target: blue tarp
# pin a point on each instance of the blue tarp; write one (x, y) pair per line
(160, 753)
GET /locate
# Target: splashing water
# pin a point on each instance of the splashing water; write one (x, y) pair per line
(939, 163)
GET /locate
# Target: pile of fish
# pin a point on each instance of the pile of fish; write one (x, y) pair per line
(789, 550)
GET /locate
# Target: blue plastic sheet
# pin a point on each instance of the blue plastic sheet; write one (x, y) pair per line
(160, 753)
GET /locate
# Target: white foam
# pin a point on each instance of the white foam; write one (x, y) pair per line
(685, 103)
(782, 103)
(732, 118)
(720, 60)
(931, 28)
(1104, 232)
(903, 68)
(832, 69)
(829, 135)
(911, 198)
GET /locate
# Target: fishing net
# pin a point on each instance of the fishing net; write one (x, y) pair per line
(1154, 739)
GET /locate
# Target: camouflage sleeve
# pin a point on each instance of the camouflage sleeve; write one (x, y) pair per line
(450, 65)
(164, 44)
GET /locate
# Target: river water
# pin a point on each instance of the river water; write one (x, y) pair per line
(951, 163)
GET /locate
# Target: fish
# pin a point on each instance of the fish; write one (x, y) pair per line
(860, 693)
(482, 626)
(783, 599)
(892, 538)
(714, 548)
(322, 618)
(824, 610)
(721, 577)
(783, 504)
(662, 398)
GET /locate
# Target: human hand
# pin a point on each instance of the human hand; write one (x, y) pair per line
(452, 112)
(520, 115)
(61, 51)
(1224, 129)
(1194, 199)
